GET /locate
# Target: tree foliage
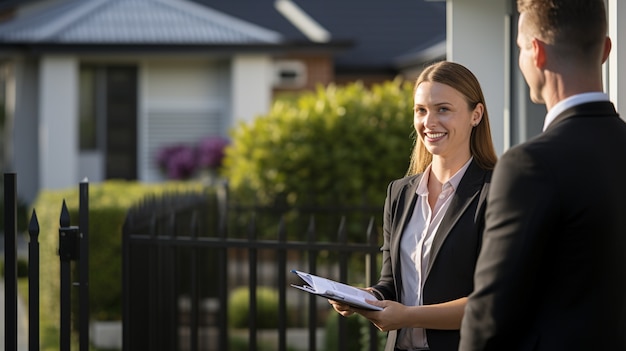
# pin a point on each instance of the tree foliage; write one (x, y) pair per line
(336, 144)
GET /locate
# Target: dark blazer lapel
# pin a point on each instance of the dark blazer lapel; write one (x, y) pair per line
(596, 108)
(407, 200)
(469, 188)
(407, 203)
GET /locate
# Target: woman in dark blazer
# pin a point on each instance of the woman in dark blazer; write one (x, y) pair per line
(434, 217)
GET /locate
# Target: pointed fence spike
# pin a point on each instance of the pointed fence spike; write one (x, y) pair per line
(310, 232)
(194, 224)
(64, 220)
(252, 228)
(371, 238)
(33, 227)
(342, 230)
(282, 229)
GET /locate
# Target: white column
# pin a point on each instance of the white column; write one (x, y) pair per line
(251, 86)
(22, 123)
(615, 76)
(478, 34)
(58, 122)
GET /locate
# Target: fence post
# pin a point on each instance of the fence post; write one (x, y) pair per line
(68, 251)
(33, 283)
(370, 265)
(83, 297)
(10, 261)
(282, 281)
(312, 253)
(222, 259)
(252, 285)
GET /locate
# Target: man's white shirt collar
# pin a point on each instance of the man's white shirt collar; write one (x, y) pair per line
(572, 101)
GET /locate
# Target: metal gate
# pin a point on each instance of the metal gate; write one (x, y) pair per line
(73, 247)
(181, 256)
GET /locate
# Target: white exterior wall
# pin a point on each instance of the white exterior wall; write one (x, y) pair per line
(185, 99)
(616, 72)
(22, 127)
(251, 86)
(58, 122)
(477, 37)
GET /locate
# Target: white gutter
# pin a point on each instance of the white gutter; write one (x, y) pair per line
(301, 20)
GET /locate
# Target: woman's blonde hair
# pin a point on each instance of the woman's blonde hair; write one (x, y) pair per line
(464, 81)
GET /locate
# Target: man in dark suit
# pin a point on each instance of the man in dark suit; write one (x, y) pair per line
(551, 274)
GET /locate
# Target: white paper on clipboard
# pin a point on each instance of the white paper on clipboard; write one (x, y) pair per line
(335, 291)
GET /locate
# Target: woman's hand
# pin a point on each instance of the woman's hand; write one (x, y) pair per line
(342, 308)
(347, 310)
(445, 315)
(390, 318)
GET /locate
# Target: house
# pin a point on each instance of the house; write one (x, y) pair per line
(388, 37)
(94, 88)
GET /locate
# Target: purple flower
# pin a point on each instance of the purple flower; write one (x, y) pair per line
(181, 161)
(164, 155)
(211, 152)
(177, 161)
(183, 164)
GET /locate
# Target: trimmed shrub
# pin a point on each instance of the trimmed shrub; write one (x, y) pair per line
(267, 308)
(338, 145)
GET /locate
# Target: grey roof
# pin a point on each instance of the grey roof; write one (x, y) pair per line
(133, 21)
(371, 35)
(384, 32)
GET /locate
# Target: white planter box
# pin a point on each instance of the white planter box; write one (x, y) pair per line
(106, 334)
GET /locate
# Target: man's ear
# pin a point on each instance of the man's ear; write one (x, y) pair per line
(539, 53)
(607, 49)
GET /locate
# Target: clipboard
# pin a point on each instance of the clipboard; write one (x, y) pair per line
(334, 290)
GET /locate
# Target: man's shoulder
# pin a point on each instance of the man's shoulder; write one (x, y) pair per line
(525, 147)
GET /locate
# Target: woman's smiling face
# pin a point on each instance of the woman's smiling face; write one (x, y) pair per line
(443, 119)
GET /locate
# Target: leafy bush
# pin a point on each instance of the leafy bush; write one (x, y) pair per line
(267, 308)
(337, 144)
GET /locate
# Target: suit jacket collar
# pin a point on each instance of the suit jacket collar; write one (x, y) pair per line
(410, 192)
(468, 189)
(589, 109)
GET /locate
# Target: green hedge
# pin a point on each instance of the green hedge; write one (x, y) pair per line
(267, 308)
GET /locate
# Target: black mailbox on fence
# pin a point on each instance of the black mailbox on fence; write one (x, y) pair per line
(69, 238)
(69, 244)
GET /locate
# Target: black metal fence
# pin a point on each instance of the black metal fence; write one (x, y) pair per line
(185, 254)
(73, 248)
